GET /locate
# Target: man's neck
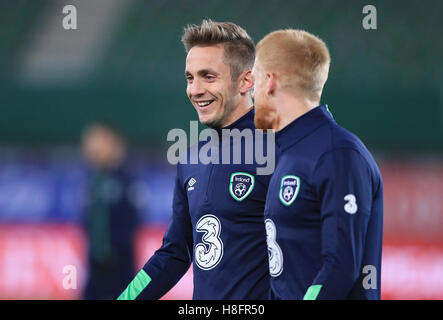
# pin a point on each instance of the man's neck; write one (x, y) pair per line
(243, 108)
(290, 108)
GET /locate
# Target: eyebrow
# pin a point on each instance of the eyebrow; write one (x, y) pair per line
(203, 72)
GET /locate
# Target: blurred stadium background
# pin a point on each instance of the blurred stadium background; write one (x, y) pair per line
(124, 64)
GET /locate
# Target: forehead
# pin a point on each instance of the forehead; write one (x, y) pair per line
(205, 57)
(99, 133)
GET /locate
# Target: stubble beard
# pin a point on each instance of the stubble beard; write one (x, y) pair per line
(223, 113)
(266, 117)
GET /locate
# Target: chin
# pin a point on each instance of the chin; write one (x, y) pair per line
(209, 122)
(214, 120)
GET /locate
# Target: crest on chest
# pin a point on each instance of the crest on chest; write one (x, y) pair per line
(241, 185)
(289, 188)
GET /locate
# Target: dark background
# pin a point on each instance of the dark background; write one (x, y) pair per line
(124, 64)
(384, 84)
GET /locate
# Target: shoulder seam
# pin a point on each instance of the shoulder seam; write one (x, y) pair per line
(340, 148)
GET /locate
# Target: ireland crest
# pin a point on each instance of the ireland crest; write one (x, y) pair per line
(289, 187)
(241, 185)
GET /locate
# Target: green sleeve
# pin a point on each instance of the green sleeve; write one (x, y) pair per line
(312, 292)
(136, 286)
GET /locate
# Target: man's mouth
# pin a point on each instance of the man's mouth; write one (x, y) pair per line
(204, 105)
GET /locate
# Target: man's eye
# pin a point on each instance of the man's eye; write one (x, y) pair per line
(209, 77)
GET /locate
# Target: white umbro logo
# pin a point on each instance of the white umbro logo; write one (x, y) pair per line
(191, 183)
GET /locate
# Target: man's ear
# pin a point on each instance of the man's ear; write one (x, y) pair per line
(246, 82)
(271, 83)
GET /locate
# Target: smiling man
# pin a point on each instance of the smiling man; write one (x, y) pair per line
(217, 221)
(324, 207)
(213, 90)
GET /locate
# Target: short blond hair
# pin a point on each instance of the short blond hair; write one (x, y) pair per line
(299, 59)
(239, 49)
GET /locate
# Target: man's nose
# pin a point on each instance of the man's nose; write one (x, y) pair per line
(196, 88)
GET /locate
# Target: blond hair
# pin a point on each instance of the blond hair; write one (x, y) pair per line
(299, 59)
(239, 50)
